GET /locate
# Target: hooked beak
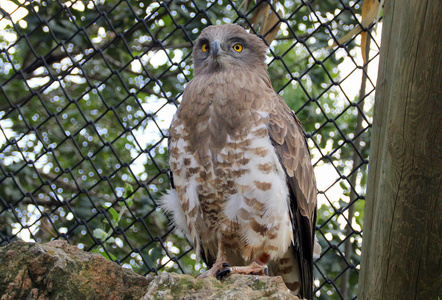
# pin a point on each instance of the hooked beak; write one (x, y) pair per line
(216, 47)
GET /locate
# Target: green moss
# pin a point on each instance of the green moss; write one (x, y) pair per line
(187, 285)
(50, 252)
(258, 285)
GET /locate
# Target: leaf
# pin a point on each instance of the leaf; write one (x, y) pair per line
(273, 22)
(18, 3)
(108, 256)
(99, 233)
(366, 14)
(246, 4)
(265, 20)
(343, 185)
(259, 15)
(114, 214)
(128, 194)
(369, 13)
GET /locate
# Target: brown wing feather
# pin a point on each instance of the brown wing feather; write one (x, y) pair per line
(291, 147)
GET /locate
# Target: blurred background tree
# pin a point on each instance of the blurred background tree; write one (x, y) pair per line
(87, 93)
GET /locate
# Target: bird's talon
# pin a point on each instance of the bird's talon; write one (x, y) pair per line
(222, 274)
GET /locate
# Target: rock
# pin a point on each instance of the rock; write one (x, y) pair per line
(170, 286)
(57, 270)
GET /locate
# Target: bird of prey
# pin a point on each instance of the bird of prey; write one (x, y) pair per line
(244, 189)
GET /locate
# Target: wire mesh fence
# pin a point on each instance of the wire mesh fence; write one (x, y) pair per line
(87, 93)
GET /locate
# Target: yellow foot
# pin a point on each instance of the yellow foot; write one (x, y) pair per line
(217, 268)
(252, 269)
(222, 270)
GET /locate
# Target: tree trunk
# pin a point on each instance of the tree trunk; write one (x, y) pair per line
(401, 253)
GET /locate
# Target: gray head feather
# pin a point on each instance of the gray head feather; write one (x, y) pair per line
(225, 47)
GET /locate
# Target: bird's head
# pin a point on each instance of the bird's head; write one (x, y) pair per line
(229, 46)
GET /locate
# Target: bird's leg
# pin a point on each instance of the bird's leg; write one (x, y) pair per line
(257, 267)
(221, 268)
(219, 265)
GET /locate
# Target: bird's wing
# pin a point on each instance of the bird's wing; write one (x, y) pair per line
(291, 147)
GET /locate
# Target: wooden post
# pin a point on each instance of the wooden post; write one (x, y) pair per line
(402, 245)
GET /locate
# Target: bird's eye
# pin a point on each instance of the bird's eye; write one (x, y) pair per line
(204, 47)
(237, 47)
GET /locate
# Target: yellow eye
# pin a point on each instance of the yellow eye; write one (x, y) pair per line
(204, 47)
(237, 47)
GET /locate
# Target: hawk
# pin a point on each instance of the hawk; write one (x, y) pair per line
(244, 189)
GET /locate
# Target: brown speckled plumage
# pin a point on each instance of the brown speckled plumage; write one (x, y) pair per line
(244, 185)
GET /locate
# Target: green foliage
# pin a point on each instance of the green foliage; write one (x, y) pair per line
(87, 92)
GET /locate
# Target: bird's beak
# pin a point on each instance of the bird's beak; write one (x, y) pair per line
(216, 47)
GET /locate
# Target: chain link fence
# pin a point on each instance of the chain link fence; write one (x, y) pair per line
(87, 93)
